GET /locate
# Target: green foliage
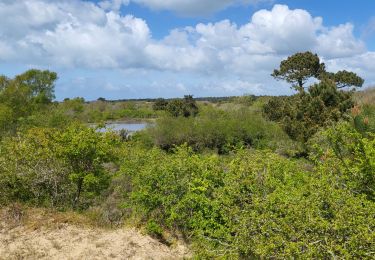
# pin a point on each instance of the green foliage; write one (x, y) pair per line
(85, 151)
(154, 230)
(100, 110)
(344, 79)
(160, 104)
(247, 100)
(24, 95)
(177, 107)
(30, 170)
(6, 117)
(298, 68)
(364, 118)
(249, 205)
(182, 107)
(218, 130)
(316, 220)
(346, 153)
(303, 114)
(74, 106)
(41, 84)
(51, 166)
(174, 193)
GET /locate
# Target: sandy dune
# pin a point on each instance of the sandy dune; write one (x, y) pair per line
(68, 241)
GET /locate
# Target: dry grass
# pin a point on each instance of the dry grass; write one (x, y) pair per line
(366, 97)
(29, 233)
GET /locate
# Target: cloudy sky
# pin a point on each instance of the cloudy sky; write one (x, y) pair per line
(167, 48)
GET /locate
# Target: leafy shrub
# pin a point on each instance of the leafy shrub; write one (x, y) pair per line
(154, 230)
(218, 130)
(160, 104)
(345, 153)
(55, 167)
(182, 107)
(31, 172)
(303, 114)
(249, 205)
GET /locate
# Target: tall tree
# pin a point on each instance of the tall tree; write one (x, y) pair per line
(41, 84)
(298, 68)
(24, 94)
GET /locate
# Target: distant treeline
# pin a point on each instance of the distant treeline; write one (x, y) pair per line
(209, 99)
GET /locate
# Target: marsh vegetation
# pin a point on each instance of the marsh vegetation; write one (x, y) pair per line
(240, 177)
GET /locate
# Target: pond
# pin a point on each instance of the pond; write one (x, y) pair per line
(129, 126)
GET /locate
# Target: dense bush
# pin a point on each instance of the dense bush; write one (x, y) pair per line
(218, 130)
(55, 167)
(250, 205)
(343, 151)
(303, 114)
(185, 107)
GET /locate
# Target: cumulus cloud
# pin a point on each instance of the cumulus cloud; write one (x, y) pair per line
(362, 64)
(257, 46)
(81, 34)
(116, 43)
(339, 42)
(283, 30)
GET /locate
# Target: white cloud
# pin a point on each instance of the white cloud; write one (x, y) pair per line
(284, 30)
(117, 43)
(256, 46)
(80, 34)
(71, 33)
(339, 42)
(362, 64)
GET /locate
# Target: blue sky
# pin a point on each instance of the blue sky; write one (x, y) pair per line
(334, 12)
(167, 48)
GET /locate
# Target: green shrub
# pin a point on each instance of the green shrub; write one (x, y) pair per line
(182, 107)
(350, 157)
(303, 114)
(218, 130)
(154, 230)
(52, 167)
(249, 205)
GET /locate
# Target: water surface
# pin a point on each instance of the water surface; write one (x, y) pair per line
(129, 126)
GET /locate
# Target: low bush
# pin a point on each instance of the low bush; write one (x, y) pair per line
(249, 205)
(218, 130)
(52, 167)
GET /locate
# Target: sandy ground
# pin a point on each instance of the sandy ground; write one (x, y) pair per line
(41, 240)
